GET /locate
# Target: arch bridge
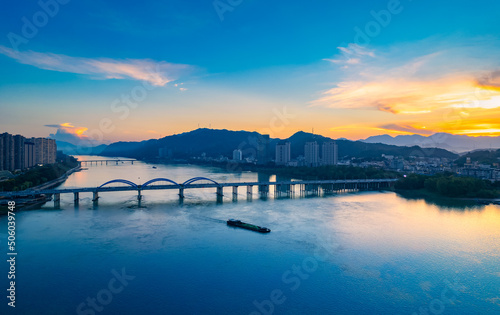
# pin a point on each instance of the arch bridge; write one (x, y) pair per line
(282, 188)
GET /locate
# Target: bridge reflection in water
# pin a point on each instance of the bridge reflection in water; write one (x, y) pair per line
(281, 188)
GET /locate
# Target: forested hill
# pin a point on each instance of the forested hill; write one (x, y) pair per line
(215, 143)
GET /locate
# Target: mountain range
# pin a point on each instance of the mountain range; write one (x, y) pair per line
(215, 142)
(72, 149)
(455, 143)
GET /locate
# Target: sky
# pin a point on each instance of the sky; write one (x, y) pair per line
(106, 71)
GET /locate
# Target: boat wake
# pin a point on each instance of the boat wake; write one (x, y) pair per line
(205, 218)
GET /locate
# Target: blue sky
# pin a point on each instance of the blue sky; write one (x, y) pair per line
(261, 57)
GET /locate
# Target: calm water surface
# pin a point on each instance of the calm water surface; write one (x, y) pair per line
(361, 253)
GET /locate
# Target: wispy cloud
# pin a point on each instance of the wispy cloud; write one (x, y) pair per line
(351, 55)
(157, 73)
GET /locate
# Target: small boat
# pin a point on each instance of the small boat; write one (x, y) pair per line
(154, 166)
(243, 225)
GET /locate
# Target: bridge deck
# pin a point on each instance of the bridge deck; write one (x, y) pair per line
(111, 160)
(189, 186)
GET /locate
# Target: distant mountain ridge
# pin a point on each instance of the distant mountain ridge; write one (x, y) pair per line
(456, 143)
(215, 142)
(71, 149)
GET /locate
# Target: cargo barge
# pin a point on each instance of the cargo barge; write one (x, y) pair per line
(243, 225)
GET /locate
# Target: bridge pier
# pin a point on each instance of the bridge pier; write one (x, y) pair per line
(264, 191)
(280, 188)
(95, 197)
(220, 194)
(285, 189)
(76, 197)
(57, 200)
(235, 193)
(316, 190)
(249, 192)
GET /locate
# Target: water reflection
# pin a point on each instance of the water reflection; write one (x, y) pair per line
(443, 202)
(384, 254)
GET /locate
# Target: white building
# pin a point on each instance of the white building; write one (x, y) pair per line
(329, 153)
(282, 153)
(237, 155)
(311, 151)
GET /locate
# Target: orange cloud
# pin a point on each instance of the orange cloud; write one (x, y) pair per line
(410, 96)
(429, 87)
(70, 129)
(400, 82)
(68, 133)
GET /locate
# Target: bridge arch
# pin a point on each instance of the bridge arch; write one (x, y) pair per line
(195, 179)
(123, 181)
(159, 180)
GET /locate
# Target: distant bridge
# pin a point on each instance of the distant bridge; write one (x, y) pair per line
(287, 188)
(105, 161)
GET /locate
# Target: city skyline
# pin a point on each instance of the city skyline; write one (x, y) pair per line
(346, 71)
(19, 153)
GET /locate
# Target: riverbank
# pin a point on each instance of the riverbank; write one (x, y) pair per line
(59, 180)
(27, 203)
(450, 185)
(42, 176)
(443, 201)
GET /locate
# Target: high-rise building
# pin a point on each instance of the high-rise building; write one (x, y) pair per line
(263, 150)
(329, 155)
(51, 151)
(45, 151)
(38, 150)
(237, 155)
(45, 159)
(8, 152)
(1, 153)
(29, 153)
(311, 153)
(18, 152)
(282, 153)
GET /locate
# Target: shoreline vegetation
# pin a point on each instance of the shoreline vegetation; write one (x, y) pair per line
(41, 175)
(442, 201)
(448, 185)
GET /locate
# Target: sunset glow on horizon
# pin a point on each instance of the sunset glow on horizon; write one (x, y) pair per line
(335, 75)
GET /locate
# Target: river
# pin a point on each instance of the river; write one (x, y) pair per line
(352, 253)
